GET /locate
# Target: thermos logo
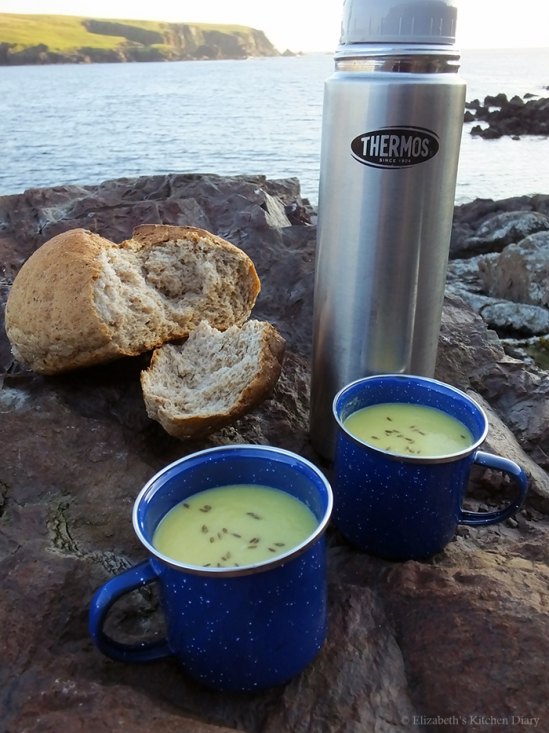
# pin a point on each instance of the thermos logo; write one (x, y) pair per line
(395, 147)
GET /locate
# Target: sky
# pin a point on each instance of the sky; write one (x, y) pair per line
(310, 25)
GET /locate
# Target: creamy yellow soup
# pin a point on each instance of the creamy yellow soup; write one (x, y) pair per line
(232, 526)
(409, 429)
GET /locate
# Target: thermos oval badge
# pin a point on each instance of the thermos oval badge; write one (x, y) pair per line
(395, 147)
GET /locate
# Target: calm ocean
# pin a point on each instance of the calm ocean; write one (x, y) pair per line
(89, 123)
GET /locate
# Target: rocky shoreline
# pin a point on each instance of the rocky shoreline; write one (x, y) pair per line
(498, 264)
(460, 640)
(514, 117)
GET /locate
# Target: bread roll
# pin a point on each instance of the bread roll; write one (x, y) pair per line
(80, 299)
(196, 387)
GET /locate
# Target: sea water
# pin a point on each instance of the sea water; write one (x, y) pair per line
(87, 123)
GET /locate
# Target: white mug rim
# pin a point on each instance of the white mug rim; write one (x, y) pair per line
(251, 568)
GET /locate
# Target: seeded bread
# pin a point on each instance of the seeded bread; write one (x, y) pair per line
(80, 299)
(211, 379)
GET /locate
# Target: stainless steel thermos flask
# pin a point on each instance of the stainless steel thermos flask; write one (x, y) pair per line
(392, 124)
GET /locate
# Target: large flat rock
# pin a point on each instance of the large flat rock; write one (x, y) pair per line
(457, 643)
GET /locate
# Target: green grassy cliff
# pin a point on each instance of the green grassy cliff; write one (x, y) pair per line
(47, 39)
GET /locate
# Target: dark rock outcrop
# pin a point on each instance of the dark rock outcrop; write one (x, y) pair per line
(503, 116)
(452, 644)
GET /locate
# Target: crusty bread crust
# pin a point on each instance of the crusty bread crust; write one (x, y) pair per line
(50, 319)
(59, 315)
(165, 403)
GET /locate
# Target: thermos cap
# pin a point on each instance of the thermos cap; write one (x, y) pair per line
(399, 21)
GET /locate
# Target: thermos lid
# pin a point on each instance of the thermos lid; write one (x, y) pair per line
(399, 21)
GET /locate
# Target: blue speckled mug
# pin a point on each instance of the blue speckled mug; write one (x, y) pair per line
(404, 507)
(242, 628)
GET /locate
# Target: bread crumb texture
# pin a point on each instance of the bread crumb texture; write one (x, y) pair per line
(81, 299)
(155, 291)
(214, 377)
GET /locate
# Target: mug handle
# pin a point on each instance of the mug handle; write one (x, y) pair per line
(104, 598)
(519, 477)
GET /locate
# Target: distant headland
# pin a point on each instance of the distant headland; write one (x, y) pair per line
(58, 39)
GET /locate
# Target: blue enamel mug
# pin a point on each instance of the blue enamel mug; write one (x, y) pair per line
(232, 628)
(400, 506)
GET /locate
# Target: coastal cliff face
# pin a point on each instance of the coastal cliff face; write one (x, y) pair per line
(121, 41)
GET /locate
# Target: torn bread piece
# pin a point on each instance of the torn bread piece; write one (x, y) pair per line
(213, 378)
(81, 299)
